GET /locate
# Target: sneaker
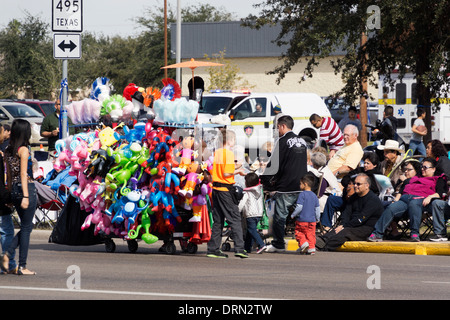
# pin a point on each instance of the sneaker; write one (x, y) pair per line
(311, 252)
(304, 248)
(217, 254)
(242, 255)
(415, 238)
(271, 248)
(438, 238)
(374, 238)
(261, 249)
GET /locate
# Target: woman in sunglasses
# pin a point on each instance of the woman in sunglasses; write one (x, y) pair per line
(436, 150)
(417, 194)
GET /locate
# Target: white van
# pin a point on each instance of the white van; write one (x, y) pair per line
(254, 128)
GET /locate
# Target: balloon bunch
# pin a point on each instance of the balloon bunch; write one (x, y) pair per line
(176, 111)
(85, 111)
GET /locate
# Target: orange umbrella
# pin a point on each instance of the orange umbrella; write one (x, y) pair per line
(192, 64)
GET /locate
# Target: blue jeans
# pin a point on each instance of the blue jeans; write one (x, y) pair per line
(282, 203)
(334, 203)
(7, 234)
(22, 238)
(417, 145)
(441, 212)
(252, 234)
(407, 203)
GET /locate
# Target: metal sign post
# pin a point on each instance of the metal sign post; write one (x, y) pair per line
(63, 121)
(67, 16)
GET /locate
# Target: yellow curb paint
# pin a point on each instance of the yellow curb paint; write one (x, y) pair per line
(423, 248)
(292, 245)
(402, 247)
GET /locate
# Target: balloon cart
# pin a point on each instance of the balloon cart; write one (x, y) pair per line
(143, 174)
(189, 235)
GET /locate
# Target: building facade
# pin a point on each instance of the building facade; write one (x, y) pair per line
(255, 54)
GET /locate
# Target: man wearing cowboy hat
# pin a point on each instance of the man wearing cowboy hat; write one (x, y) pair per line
(390, 166)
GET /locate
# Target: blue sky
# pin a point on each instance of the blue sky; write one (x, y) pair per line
(112, 17)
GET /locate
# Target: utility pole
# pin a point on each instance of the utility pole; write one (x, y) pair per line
(364, 96)
(178, 47)
(165, 38)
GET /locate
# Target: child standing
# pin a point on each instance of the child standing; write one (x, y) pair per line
(307, 211)
(251, 206)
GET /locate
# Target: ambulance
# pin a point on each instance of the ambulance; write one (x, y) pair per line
(251, 114)
(403, 99)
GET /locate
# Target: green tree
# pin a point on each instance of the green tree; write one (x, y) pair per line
(412, 36)
(26, 59)
(225, 77)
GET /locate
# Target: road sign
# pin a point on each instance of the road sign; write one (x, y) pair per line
(67, 46)
(67, 15)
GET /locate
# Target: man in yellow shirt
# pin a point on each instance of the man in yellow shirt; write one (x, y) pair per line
(348, 157)
(224, 201)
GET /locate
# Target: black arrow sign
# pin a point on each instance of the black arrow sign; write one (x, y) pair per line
(63, 46)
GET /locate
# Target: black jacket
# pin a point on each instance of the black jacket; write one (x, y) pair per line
(287, 164)
(361, 211)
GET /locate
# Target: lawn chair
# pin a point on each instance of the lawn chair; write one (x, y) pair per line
(50, 211)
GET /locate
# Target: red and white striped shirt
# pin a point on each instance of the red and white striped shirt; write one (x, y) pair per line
(331, 134)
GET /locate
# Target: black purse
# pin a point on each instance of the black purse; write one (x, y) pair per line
(16, 193)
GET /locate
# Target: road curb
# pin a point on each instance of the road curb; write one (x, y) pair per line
(403, 247)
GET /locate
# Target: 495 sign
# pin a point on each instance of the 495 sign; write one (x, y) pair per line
(67, 15)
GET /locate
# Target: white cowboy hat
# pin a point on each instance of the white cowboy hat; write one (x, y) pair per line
(391, 145)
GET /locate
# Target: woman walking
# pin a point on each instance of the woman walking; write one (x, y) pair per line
(23, 194)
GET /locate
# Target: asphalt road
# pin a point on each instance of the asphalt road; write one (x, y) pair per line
(88, 273)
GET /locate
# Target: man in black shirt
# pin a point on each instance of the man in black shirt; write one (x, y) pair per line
(358, 218)
(286, 167)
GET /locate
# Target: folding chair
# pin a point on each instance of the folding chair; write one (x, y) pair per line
(426, 226)
(46, 209)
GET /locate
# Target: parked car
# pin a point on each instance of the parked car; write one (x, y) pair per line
(14, 110)
(45, 107)
(339, 108)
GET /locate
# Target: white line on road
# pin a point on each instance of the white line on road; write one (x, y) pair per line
(436, 282)
(154, 294)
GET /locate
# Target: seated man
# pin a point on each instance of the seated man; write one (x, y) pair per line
(358, 218)
(348, 157)
(46, 191)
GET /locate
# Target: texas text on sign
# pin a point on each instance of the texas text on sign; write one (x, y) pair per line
(67, 15)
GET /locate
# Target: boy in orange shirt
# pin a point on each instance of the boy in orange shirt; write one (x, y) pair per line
(224, 201)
